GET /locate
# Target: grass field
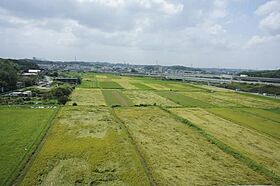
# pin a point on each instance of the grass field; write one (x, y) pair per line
(21, 129)
(116, 98)
(83, 96)
(178, 155)
(184, 100)
(144, 97)
(246, 119)
(265, 150)
(109, 85)
(86, 146)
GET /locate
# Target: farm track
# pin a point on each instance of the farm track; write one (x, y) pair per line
(34, 154)
(132, 141)
(229, 150)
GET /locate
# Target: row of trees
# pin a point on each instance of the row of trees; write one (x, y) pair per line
(10, 73)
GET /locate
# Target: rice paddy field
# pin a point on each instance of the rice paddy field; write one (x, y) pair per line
(21, 129)
(144, 131)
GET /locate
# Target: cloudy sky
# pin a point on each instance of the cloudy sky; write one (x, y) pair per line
(198, 33)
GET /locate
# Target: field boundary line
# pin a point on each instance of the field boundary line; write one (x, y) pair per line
(38, 144)
(229, 150)
(138, 152)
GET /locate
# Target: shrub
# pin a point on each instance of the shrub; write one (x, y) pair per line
(75, 104)
(62, 99)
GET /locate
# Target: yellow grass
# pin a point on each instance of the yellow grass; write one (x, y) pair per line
(86, 146)
(124, 82)
(259, 147)
(155, 86)
(148, 98)
(178, 155)
(83, 96)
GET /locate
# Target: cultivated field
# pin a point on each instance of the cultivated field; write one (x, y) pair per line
(145, 97)
(145, 131)
(83, 96)
(21, 129)
(176, 154)
(255, 145)
(86, 146)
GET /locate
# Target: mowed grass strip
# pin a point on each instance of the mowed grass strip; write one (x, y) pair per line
(246, 119)
(21, 130)
(141, 86)
(116, 98)
(179, 155)
(86, 146)
(83, 96)
(257, 146)
(183, 100)
(109, 85)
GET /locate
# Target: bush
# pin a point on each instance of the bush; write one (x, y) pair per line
(75, 104)
(62, 99)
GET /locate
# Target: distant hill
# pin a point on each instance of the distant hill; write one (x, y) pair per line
(265, 73)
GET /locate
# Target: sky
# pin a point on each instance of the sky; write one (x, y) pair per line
(196, 33)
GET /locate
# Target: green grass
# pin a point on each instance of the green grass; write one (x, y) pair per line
(275, 110)
(183, 100)
(88, 84)
(109, 85)
(116, 98)
(21, 130)
(141, 86)
(270, 115)
(238, 116)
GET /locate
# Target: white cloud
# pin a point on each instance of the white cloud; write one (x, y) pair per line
(257, 40)
(271, 23)
(172, 31)
(268, 7)
(270, 11)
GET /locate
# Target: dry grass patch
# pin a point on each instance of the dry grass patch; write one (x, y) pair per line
(178, 155)
(143, 97)
(86, 146)
(83, 96)
(125, 83)
(259, 147)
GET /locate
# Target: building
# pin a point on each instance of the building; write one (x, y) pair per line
(21, 94)
(34, 71)
(67, 80)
